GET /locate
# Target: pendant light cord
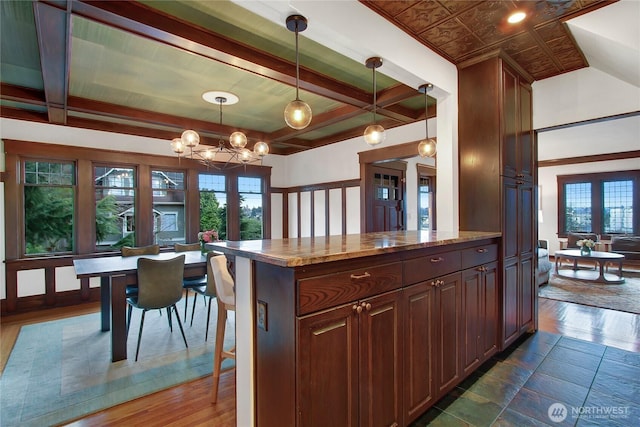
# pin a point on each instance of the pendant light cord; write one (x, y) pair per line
(297, 65)
(426, 113)
(375, 95)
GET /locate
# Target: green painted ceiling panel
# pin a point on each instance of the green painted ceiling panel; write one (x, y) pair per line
(20, 60)
(233, 21)
(113, 66)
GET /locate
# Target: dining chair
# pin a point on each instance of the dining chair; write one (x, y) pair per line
(159, 286)
(126, 251)
(226, 298)
(189, 283)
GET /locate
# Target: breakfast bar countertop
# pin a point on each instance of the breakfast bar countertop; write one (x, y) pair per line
(296, 252)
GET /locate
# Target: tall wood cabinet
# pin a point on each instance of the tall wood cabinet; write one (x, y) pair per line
(497, 157)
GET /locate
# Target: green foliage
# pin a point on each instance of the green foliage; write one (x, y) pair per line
(212, 216)
(48, 219)
(128, 240)
(106, 218)
(250, 228)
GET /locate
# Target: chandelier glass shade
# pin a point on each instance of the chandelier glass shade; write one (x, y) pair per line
(220, 157)
(426, 147)
(297, 113)
(374, 134)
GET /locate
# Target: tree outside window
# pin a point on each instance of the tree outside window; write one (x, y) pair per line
(213, 204)
(251, 221)
(49, 198)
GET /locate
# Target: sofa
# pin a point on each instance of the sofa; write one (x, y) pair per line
(573, 238)
(544, 264)
(629, 246)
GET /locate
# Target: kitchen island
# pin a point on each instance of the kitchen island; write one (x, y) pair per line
(360, 329)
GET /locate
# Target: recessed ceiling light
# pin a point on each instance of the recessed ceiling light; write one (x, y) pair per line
(516, 17)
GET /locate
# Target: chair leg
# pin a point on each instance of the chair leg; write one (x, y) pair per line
(180, 325)
(130, 308)
(217, 355)
(206, 334)
(140, 333)
(193, 309)
(169, 318)
(186, 301)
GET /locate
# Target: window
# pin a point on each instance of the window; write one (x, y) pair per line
(424, 203)
(213, 203)
(115, 212)
(426, 197)
(251, 224)
(599, 203)
(168, 207)
(49, 198)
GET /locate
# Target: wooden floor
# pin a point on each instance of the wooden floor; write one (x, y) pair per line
(189, 404)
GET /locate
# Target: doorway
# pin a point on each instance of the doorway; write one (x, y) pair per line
(384, 194)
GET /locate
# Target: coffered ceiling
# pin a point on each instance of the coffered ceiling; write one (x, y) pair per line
(141, 67)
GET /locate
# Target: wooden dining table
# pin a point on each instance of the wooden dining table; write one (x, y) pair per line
(116, 272)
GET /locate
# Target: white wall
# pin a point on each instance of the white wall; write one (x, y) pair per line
(573, 97)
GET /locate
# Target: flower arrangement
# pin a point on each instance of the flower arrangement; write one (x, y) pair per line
(586, 243)
(208, 236)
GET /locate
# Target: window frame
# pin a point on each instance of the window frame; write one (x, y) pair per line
(597, 199)
(85, 159)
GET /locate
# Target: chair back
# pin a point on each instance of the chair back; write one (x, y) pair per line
(140, 250)
(572, 238)
(184, 247)
(222, 280)
(160, 282)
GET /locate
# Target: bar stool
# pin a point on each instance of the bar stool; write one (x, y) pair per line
(226, 301)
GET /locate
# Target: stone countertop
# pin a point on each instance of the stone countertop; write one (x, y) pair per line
(310, 250)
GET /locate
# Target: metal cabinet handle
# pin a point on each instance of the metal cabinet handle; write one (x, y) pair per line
(357, 308)
(439, 259)
(360, 276)
(482, 251)
(367, 306)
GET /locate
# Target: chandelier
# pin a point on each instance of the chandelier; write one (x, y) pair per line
(221, 157)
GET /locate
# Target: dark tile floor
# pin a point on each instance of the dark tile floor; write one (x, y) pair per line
(546, 379)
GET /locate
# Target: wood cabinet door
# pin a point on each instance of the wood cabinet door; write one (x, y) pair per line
(490, 311)
(447, 310)
(419, 352)
(527, 295)
(470, 318)
(510, 315)
(510, 123)
(510, 218)
(380, 361)
(526, 153)
(327, 363)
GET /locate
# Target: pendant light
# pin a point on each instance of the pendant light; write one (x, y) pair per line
(374, 134)
(235, 156)
(426, 147)
(297, 113)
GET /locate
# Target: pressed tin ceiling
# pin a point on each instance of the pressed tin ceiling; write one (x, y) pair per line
(463, 30)
(141, 67)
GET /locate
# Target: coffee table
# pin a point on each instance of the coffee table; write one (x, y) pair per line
(599, 275)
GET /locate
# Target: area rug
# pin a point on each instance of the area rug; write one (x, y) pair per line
(62, 370)
(622, 297)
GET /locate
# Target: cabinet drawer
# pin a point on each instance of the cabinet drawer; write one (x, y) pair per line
(479, 255)
(317, 293)
(430, 266)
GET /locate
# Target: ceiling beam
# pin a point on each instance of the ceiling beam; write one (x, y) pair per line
(52, 29)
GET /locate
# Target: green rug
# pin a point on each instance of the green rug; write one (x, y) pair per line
(61, 370)
(622, 297)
